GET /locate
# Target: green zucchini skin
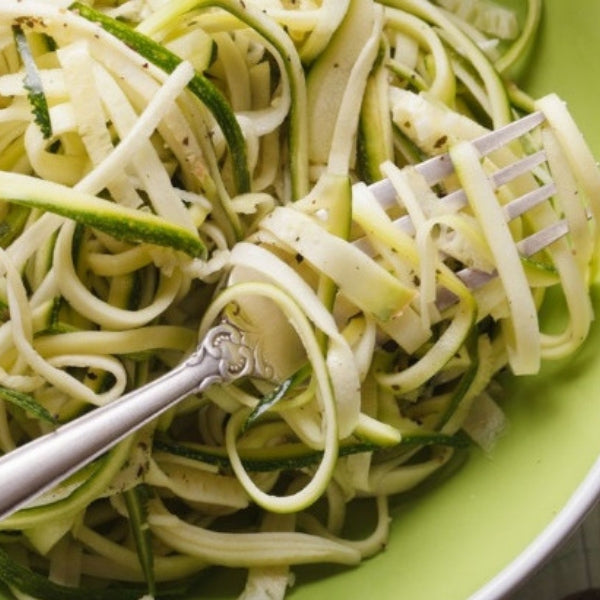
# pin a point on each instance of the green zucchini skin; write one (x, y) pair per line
(33, 84)
(200, 86)
(297, 456)
(120, 221)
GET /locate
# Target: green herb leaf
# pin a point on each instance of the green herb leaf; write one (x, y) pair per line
(200, 86)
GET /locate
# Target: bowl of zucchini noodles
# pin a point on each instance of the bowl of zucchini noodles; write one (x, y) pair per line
(410, 433)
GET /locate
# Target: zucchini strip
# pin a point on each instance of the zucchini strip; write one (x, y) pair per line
(296, 455)
(522, 331)
(381, 295)
(297, 140)
(122, 222)
(246, 549)
(199, 85)
(33, 84)
(514, 59)
(27, 403)
(31, 583)
(325, 396)
(500, 107)
(136, 500)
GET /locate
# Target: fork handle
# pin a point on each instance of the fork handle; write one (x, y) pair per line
(37, 466)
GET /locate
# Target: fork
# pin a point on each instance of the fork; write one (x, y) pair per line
(226, 353)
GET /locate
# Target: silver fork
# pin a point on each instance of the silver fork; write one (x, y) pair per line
(226, 354)
(435, 169)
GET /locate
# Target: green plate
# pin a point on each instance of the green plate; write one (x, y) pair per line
(484, 529)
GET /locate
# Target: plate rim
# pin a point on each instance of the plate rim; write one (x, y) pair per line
(525, 565)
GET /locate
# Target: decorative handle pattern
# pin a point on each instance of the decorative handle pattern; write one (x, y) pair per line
(228, 346)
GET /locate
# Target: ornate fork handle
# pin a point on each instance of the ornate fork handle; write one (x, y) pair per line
(226, 347)
(223, 356)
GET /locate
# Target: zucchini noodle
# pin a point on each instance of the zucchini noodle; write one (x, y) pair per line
(166, 165)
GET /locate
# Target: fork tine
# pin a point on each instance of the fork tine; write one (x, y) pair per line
(522, 166)
(504, 135)
(385, 193)
(457, 199)
(438, 167)
(529, 246)
(500, 177)
(542, 239)
(527, 201)
(517, 207)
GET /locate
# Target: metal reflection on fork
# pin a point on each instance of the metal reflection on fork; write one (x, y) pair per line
(226, 353)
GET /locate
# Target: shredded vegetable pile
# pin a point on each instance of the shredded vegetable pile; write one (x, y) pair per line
(165, 164)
